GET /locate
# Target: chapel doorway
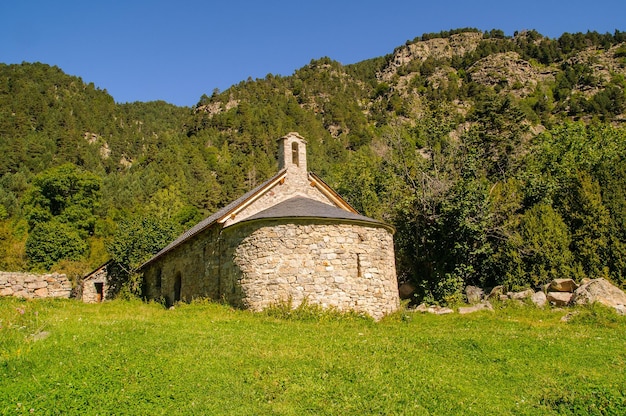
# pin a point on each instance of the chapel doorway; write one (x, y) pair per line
(99, 291)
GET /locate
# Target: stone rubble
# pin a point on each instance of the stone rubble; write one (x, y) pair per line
(475, 308)
(558, 293)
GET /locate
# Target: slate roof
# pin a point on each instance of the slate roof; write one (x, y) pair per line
(207, 222)
(302, 207)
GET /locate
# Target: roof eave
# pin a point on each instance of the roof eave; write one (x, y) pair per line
(330, 193)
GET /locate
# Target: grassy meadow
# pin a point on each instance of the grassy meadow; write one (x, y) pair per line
(128, 357)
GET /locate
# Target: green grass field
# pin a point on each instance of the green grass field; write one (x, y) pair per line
(128, 357)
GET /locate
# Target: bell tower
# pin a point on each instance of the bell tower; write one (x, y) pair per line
(292, 153)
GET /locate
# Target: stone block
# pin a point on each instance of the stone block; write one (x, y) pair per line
(475, 308)
(474, 294)
(41, 292)
(525, 294)
(562, 285)
(559, 298)
(36, 284)
(22, 294)
(539, 299)
(7, 291)
(601, 291)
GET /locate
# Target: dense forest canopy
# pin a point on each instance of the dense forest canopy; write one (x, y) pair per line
(499, 159)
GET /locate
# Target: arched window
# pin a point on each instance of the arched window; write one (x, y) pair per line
(295, 155)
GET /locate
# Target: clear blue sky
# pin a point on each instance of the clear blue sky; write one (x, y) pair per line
(140, 50)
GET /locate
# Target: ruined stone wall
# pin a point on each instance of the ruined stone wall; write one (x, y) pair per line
(32, 286)
(347, 266)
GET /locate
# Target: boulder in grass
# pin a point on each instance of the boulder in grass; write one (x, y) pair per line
(525, 294)
(601, 291)
(474, 294)
(475, 308)
(539, 299)
(562, 285)
(560, 298)
(434, 309)
(496, 292)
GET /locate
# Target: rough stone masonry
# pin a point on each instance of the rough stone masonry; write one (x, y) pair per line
(344, 266)
(34, 286)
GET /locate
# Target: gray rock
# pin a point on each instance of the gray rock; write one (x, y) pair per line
(560, 298)
(539, 299)
(475, 308)
(434, 309)
(525, 294)
(440, 310)
(562, 285)
(601, 291)
(474, 294)
(496, 292)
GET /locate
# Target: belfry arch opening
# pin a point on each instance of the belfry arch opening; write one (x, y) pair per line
(295, 154)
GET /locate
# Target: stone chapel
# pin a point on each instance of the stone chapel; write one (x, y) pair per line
(290, 239)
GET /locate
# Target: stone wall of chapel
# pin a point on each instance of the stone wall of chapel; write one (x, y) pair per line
(196, 263)
(254, 265)
(345, 266)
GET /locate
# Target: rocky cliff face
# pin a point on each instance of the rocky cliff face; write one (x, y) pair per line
(506, 71)
(604, 66)
(509, 71)
(441, 48)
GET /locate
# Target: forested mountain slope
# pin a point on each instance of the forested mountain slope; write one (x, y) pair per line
(500, 160)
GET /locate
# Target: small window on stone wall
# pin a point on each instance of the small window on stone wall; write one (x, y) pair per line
(359, 267)
(295, 156)
(157, 280)
(178, 283)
